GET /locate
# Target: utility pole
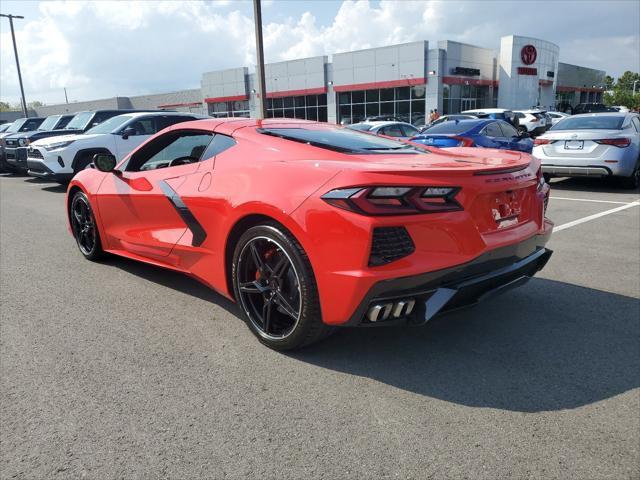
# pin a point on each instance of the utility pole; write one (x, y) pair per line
(262, 89)
(15, 50)
(634, 87)
(66, 99)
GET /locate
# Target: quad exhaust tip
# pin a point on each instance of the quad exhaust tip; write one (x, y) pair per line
(382, 311)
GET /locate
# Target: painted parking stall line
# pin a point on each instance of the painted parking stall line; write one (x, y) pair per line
(595, 216)
(589, 200)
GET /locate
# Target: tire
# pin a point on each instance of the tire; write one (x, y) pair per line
(632, 182)
(84, 227)
(275, 288)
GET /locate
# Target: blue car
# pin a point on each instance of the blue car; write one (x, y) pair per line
(481, 132)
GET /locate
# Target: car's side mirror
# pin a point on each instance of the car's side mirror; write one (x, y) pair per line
(105, 162)
(128, 132)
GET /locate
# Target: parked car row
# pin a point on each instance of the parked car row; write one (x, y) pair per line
(61, 145)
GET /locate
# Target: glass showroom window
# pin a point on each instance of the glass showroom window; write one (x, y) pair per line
(304, 107)
(458, 98)
(405, 103)
(239, 108)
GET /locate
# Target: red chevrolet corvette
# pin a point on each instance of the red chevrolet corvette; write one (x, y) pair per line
(308, 226)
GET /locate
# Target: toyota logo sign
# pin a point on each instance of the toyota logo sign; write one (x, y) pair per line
(528, 54)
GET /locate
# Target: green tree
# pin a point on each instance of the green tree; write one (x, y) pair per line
(5, 107)
(625, 82)
(622, 91)
(609, 82)
(34, 104)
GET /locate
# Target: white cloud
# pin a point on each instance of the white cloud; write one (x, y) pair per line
(100, 49)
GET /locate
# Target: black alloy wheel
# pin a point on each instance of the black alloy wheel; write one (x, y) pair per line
(83, 225)
(275, 288)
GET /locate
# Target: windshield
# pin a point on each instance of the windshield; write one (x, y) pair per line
(108, 126)
(49, 122)
(590, 123)
(342, 140)
(80, 121)
(15, 126)
(450, 127)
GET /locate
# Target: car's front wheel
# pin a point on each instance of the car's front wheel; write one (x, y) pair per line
(84, 227)
(275, 288)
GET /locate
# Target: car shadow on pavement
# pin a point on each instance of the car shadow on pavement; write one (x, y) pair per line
(547, 346)
(174, 280)
(577, 184)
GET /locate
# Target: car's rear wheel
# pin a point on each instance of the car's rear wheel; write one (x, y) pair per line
(83, 225)
(275, 287)
(633, 181)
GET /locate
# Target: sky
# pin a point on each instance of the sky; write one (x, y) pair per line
(99, 49)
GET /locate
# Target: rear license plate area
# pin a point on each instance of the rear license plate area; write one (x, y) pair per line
(573, 144)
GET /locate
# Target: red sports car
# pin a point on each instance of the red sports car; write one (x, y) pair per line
(309, 226)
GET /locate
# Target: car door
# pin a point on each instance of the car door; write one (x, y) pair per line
(513, 140)
(142, 207)
(493, 136)
(143, 128)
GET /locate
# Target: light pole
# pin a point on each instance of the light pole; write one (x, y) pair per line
(15, 50)
(262, 89)
(634, 86)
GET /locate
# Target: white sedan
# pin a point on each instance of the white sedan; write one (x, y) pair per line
(400, 130)
(592, 144)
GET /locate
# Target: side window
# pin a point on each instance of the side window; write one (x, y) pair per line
(166, 121)
(392, 131)
(219, 144)
(30, 125)
(143, 126)
(410, 131)
(508, 130)
(493, 130)
(63, 121)
(100, 117)
(169, 150)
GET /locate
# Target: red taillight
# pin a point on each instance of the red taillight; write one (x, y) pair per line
(616, 142)
(394, 200)
(463, 142)
(541, 141)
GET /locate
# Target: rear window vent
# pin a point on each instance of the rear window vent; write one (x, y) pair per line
(389, 244)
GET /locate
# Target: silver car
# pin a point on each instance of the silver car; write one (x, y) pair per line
(399, 130)
(592, 144)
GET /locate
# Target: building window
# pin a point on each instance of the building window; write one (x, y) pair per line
(564, 101)
(238, 108)
(459, 98)
(304, 107)
(407, 104)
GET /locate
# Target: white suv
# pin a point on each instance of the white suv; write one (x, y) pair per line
(60, 158)
(532, 121)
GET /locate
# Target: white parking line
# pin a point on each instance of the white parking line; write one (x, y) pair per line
(597, 215)
(588, 200)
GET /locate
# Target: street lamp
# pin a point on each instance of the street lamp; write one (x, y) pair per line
(15, 50)
(634, 86)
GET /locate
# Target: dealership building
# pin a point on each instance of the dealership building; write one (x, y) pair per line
(404, 81)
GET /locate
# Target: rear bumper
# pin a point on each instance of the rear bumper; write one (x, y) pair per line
(575, 171)
(443, 290)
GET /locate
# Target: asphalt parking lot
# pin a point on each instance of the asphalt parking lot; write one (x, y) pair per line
(121, 370)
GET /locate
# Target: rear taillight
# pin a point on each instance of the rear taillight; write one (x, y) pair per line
(542, 141)
(616, 142)
(463, 142)
(394, 200)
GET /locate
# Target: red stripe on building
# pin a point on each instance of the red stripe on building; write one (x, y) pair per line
(174, 105)
(545, 82)
(233, 98)
(389, 84)
(469, 81)
(295, 93)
